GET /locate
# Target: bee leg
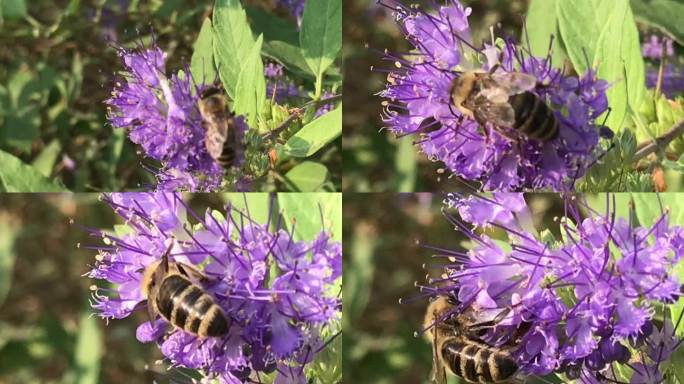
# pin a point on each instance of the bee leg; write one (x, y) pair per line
(152, 316)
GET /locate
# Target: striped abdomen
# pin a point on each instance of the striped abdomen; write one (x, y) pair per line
(187, 306)
(533, 117)
(477, 362)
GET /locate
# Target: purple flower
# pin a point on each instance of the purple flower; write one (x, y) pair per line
(278, 86)
(295, 7)
(418, 102)
(673, 80)
(162, 116)
(276, 290)
(576, 304)
(653, 48)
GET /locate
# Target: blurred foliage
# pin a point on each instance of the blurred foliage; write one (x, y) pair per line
(47, 333)
(57, 65)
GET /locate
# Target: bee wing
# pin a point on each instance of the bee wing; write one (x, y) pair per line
(499, 114)
(192, 272)
(514, 83)
(216, 137)
(438, 371)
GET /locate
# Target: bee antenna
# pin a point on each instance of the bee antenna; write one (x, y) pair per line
(165, 258)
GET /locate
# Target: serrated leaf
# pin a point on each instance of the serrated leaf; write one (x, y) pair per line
(15, 176)
(233, 41)
(308, 209)
(315, 135)
(288, 55)
(202, 62)
(604, 34)
(307, 176)
(250, 93)
(320, 37)
(45, 162)
(620, 62)
(663, 14)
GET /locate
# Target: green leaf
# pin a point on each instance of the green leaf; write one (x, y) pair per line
(320, 36)
(663, 14)
(250, 93)
(315, 135)
(45, 162)
(272, 26)
(306, 210)
(15, 176)
(405, 166)
(88, 350)
(21, 128)
(289, 55)
(541, 23)
(8, 236)
(359, 269)
(256, 204)
(233, 41)
(648, 208)
(13, 9)
(621, 64)
(580, 23)
(307, 176)
(604, 34)
(202, 62)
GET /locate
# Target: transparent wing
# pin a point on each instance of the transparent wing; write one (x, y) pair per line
(500, 114)
(215, 139)
(514, 83)
(438, 371)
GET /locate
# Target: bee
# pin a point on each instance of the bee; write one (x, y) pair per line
(457, 348)
(219, 124)
(505, 100)
(172, 290)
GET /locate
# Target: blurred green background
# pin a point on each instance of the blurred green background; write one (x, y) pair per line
(382, 260)
(58, 65)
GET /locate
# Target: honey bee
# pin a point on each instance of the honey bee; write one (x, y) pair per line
(172, 290)
(219, 125)
(505, 100)
(457, 348)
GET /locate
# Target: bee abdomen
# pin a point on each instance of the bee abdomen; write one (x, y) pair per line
(477, 362)
(533, 117)
(188, 307)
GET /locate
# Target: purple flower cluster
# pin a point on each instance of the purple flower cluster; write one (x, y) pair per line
(278, 86)
(653, 48)
(673, 75)
(418, 102)
(276, 290)
(162, 116)
(576, 305)
(673, 80)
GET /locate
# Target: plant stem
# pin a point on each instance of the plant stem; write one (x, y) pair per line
(661, 141)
